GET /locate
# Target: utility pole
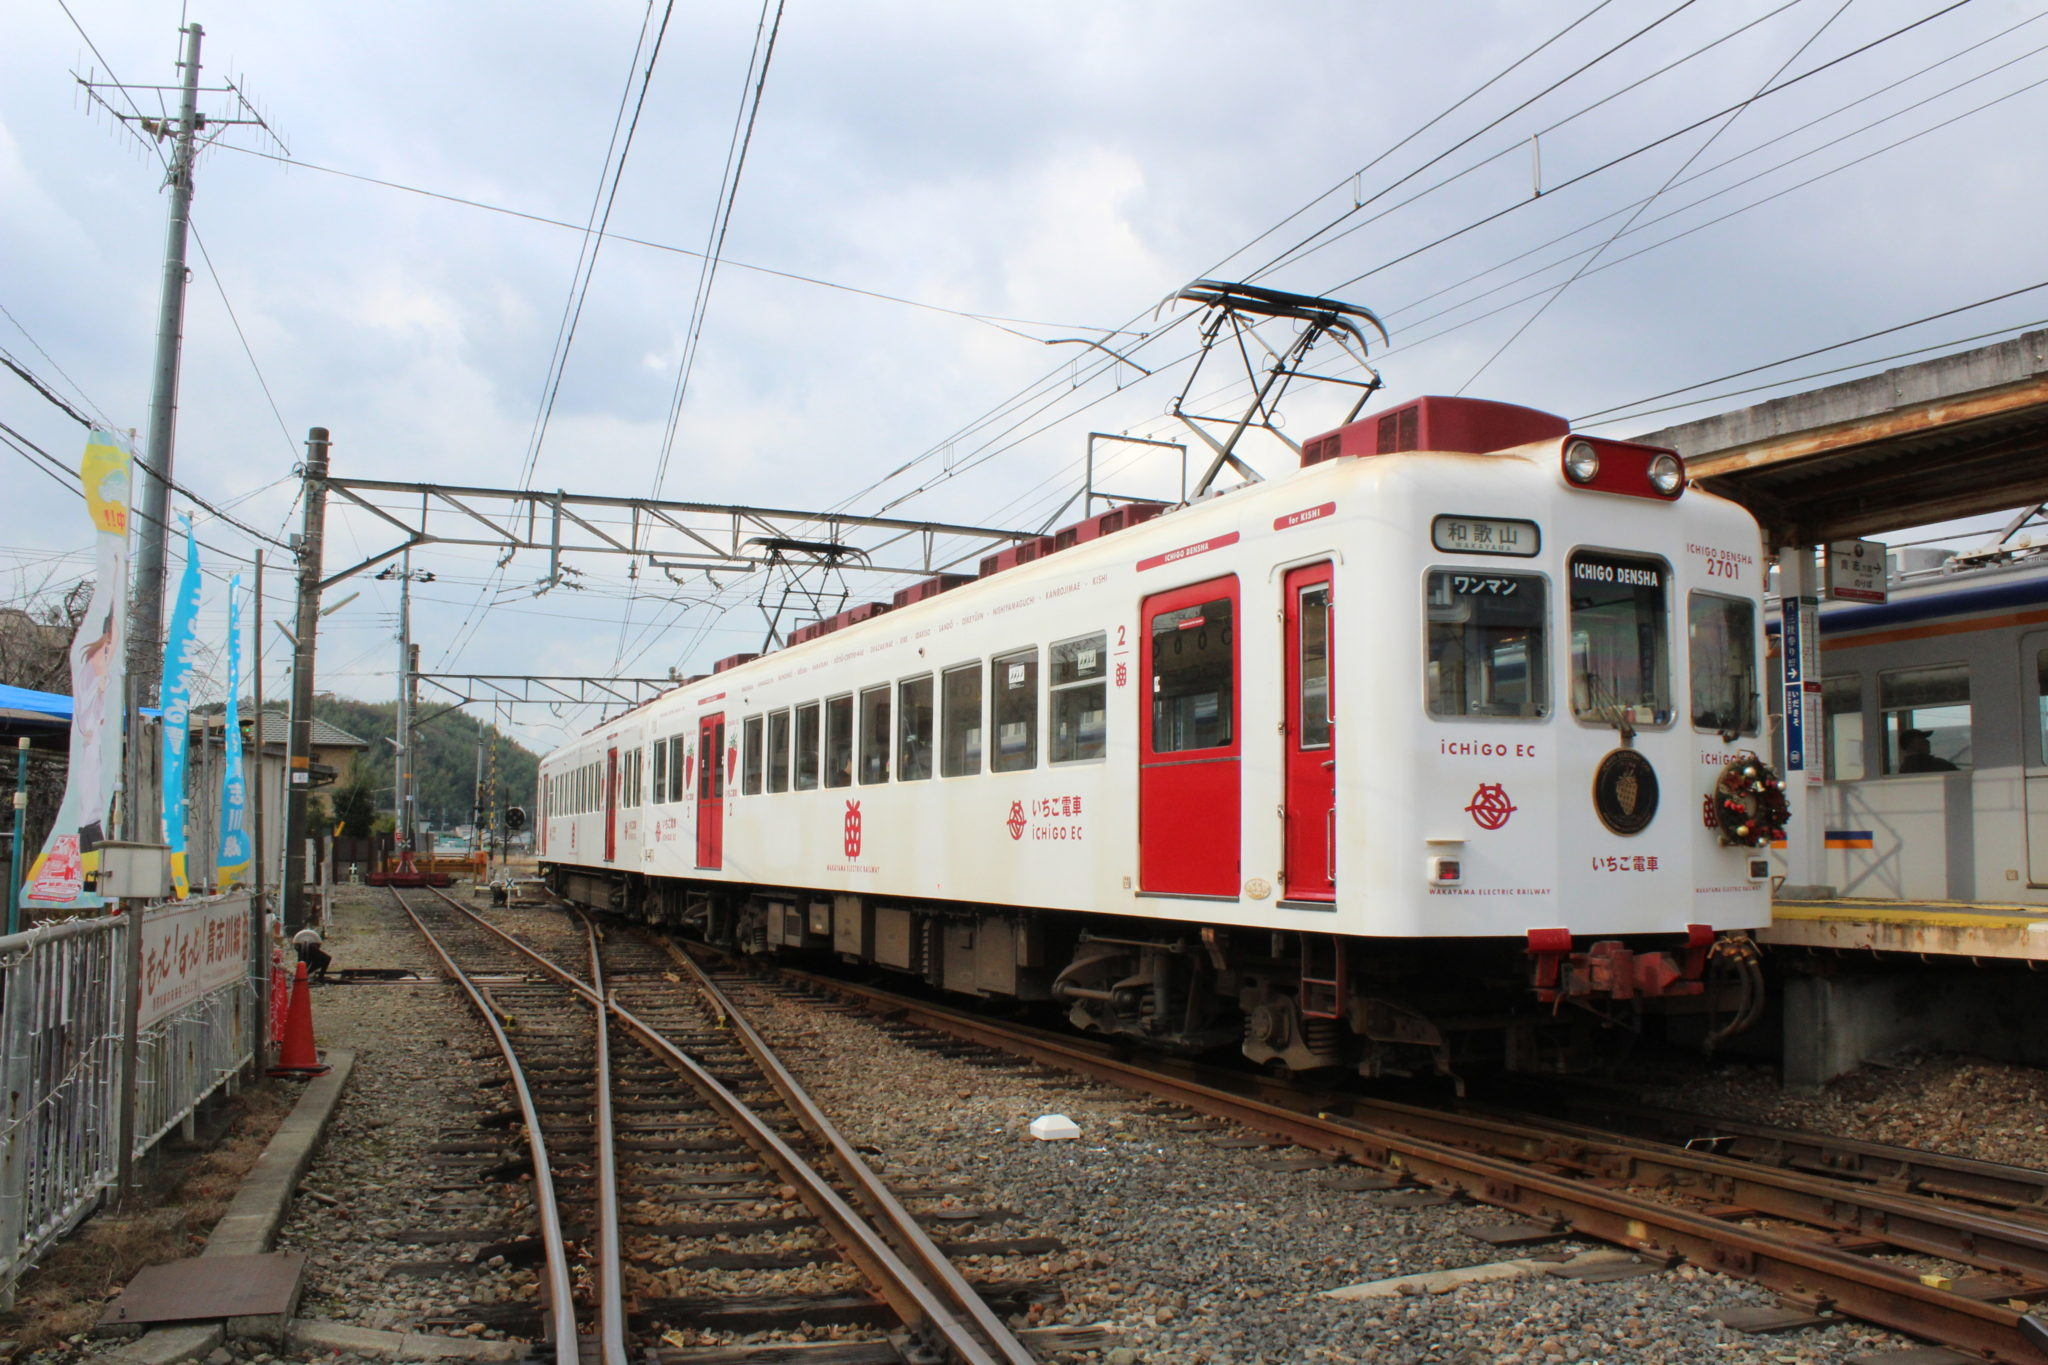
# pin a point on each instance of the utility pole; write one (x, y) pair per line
(404, 790)
(299, 774)
(145, 640)
(259, 937)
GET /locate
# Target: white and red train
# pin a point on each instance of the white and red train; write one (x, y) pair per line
(1449, 730)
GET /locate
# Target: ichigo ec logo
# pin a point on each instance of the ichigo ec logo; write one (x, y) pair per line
(853, 829)
(1016, 822)
(1490, 807)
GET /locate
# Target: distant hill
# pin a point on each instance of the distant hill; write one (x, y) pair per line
(444, 777)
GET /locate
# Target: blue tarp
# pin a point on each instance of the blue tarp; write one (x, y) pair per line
(51, 704)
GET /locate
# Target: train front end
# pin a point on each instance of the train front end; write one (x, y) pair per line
(1566, 758)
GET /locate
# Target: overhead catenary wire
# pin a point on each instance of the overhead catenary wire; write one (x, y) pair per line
(728, 196)
(1683, 167)
(1000, 322)
(602, 203)
(1397, 310)
(1144, 341)
(1608, 414)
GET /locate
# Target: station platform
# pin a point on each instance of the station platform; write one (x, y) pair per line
(1928, 929)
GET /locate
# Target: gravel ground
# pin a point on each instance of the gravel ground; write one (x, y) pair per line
(423, 1068)
(1199, 1252)
(1192, 1249)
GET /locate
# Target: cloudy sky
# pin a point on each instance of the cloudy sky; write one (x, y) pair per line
(954, 184)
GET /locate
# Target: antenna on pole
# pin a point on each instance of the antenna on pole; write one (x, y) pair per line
(190, 132)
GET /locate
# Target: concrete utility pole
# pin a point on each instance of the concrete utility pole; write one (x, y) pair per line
(145, 650)
(145, 638)
(403, 789)
(300, 763)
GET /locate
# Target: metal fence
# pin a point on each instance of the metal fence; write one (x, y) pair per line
(64, 1011)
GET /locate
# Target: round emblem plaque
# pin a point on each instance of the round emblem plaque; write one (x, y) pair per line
(1625, 792)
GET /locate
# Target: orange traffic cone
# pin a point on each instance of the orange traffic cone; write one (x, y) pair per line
(298, 1057)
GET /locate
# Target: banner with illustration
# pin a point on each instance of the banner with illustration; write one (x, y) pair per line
(57, 879)
(181, 649)
(233, 861)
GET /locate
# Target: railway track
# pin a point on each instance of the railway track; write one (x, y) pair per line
(643, 1111)
(1950, 1251)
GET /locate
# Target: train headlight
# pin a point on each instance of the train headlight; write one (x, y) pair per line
(1581, 462)
(1666, 473)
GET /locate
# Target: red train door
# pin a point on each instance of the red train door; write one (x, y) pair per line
(711, 791)
(1311, 757)
(1189, 750)
(611, 804)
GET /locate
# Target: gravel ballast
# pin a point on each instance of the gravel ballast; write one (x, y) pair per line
(1187, 1243)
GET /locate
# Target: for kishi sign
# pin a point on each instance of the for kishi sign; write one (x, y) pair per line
(190, 952)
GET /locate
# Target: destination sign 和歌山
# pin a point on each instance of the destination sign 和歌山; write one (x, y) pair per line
(1485, 535)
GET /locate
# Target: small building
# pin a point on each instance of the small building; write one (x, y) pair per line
(334, 756)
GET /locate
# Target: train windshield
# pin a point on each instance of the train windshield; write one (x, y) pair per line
(1621, 639)
(1486, 649)
(1721, 635)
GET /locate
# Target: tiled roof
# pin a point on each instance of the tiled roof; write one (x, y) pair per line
(277, 730)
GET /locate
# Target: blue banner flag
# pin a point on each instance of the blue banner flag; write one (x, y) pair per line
(232, 862)
(181, 646)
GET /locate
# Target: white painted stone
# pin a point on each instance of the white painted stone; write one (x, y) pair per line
(1054, 1128)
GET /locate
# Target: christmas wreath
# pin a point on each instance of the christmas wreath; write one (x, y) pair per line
(1748, 803)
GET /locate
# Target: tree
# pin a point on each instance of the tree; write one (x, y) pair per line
(355, 806)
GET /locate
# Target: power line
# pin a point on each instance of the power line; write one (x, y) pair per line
(1722, 218)
(1400, 309)
(1607, 413)
(1296, 251)
(220, 288)
(1001, 322)
(1643, 208)
(707, 274)
(593, 236)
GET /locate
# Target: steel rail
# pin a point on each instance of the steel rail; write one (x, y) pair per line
(1971, 1236)
(1900, 1168)
(910, 1238)
(1803, 1272)
(906, 1291)
(561, 1301)
(611, 1293)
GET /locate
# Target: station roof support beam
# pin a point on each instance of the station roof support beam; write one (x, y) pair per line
(1958, 436)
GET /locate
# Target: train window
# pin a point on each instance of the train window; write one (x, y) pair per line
(807, 746)
(1621, 639)
(1315, 665)
(778, 751)
(1013, 696)
(1080, 704)
(658, 789)
(750, 756)
(1487, 655)
(1193, 677)
(874, 735)
(914, 729)
(961, 699)
(678, 787)
(1721, 637)
(1926, 713)
(2041, 698)
(839, 741)
(1841, 714)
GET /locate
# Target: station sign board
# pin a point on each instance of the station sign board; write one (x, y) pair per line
(1856, 571)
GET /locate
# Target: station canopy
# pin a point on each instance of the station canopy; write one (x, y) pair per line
(1959, 436)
